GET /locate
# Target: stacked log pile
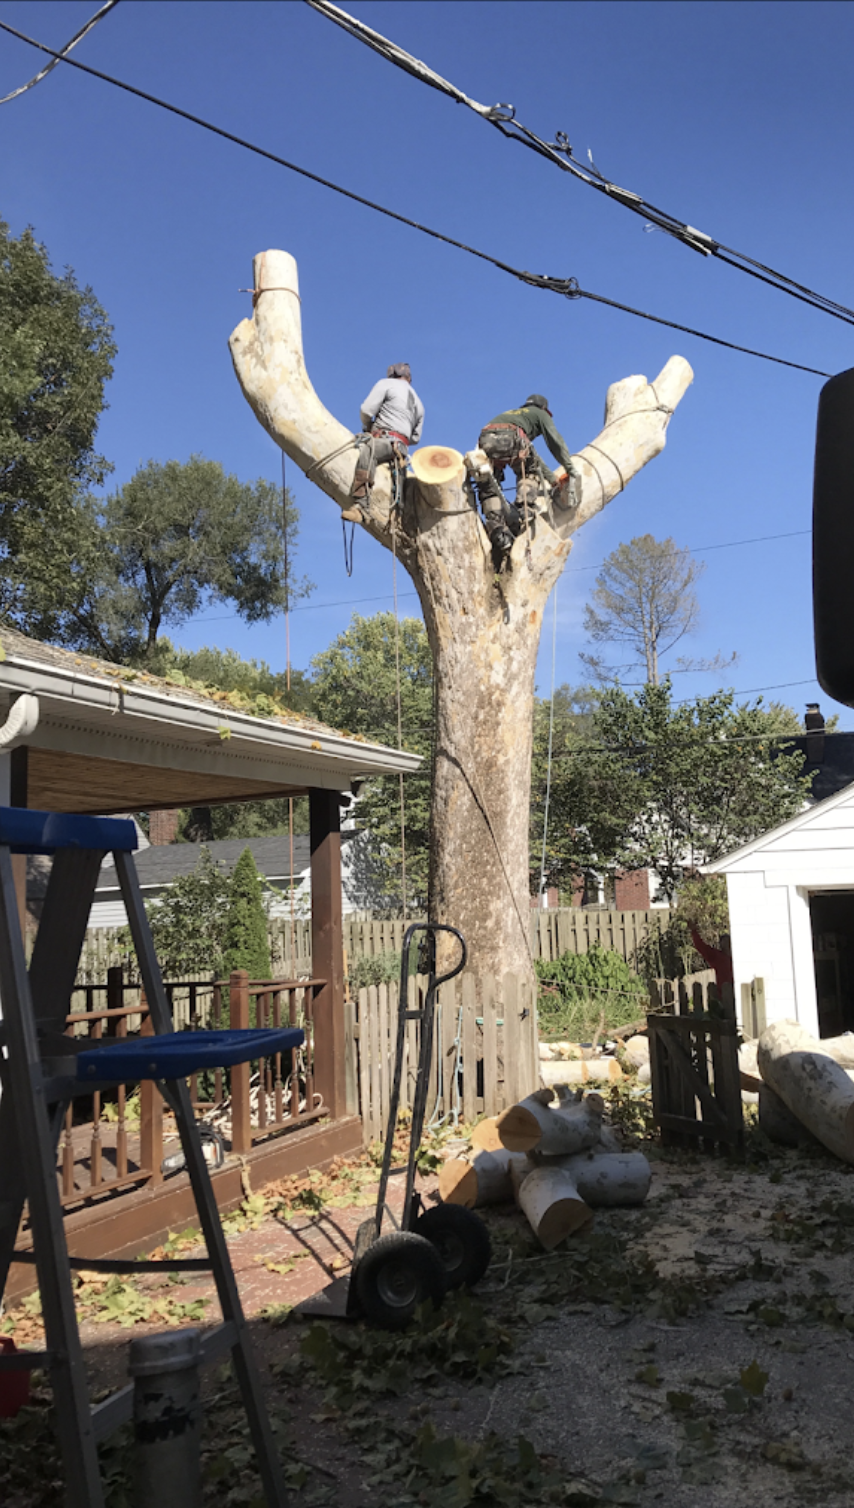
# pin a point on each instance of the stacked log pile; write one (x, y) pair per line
(559, 1162)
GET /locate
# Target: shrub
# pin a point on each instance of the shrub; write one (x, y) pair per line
(585, 993)
(246, 942)
(188, 921)
(380, 968)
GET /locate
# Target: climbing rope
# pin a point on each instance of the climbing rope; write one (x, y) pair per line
(551, 737)
(394, 522)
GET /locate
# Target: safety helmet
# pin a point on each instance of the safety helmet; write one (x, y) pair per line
(400, 369)
(536, 400)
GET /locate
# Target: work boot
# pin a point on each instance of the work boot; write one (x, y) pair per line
(500, 538)
(361, 483)
(352, 515)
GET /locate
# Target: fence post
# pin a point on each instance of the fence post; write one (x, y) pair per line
(115, 997)
(150, 1112)
(241, 1118)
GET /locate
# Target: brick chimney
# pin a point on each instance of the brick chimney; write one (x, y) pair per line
(163, 827)
(814, 724)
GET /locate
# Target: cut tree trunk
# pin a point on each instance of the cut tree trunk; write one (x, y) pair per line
(817, 1091)
(609, 1180)
(553, 1205)
(778, 1122)
(486, 1179)
(589, 1071)
(485, 1135)
(554, 1131)
(483, 629)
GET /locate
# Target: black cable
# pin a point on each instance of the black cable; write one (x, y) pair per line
(568, 287)
(560, 154)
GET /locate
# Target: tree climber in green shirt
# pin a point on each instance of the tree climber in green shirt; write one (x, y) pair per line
(508, 441)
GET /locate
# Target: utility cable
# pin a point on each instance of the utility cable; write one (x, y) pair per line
(49, 67)
(566, 287)
(560, 154)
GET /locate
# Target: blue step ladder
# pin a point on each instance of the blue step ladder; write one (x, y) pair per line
(42, 1069)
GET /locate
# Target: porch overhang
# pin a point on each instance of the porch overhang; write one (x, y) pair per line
(109, 739)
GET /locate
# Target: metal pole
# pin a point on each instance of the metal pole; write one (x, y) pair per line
(167, 1419)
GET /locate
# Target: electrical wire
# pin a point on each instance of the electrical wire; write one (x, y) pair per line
(565, 287)
(49, 67)
(727, 544)
(560, 154)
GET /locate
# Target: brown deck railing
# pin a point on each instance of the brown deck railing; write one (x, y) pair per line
(106, 1151)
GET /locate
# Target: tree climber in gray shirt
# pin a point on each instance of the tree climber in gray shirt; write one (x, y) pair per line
(392, 419)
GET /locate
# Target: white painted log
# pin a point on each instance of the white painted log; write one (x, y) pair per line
(483, 1179)
(553, 1205)
(570, 1127)
(817, 1091)
(610, 1180)
(592, 1071)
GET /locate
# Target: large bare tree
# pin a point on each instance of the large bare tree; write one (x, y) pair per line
(484, 629)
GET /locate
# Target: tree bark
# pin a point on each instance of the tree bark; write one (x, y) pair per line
(483, 630)
(534, 1126)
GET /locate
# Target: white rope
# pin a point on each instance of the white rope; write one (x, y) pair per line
(551, 736)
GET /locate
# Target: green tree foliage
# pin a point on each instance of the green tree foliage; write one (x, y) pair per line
(188, 921)
(58, 350)
(644, 601)
(667, 951)
(354, 688)
(582, 994)
(175, 538)
(670, 787)
(246, 944)
(572, 728)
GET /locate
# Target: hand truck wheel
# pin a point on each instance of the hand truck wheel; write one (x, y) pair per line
(461, 1240)
(396, 1274)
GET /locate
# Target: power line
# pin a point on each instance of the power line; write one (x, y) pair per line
(313, 607)
(560, 154)
(566, 287)
(78, 37)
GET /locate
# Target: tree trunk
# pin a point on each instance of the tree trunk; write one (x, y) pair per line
(815, 1088)
(534, 1126)
(486, 1179)
(484, 631)
(553, 1205)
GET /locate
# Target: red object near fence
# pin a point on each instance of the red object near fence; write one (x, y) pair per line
(14, 1386)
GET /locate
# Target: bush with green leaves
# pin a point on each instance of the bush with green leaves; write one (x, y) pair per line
(582, 994)
(377, 968)
(246, 944)
(188, 921)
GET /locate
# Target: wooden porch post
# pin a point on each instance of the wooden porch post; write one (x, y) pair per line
(18, 797)
(327, 948)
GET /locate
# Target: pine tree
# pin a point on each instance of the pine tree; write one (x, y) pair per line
(246, 943)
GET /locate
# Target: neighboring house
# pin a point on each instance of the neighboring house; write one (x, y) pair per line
(160, 865)
(791, 908)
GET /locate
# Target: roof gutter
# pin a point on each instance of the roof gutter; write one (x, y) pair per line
(73, 692)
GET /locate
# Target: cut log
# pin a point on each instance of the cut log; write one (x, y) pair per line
(592, 1071)
(748, 1071)
(817, 1091)
(778, 1122)
(637, 1050)
(571, 1127)
(553, 1205)
(841, 1049)
(486, 1179)
(610, 1180)
(485, 1135)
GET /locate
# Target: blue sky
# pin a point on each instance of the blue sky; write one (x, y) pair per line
(736, 118)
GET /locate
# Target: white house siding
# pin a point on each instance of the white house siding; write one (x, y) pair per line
(769, 884)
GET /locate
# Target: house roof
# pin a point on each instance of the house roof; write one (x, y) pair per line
(835, 769)
(112, 739)
(161, 864)
(825, 816)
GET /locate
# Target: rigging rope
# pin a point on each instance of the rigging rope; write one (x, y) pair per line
(397, 490)
(293, 925)
(568, 287)
(560, 154)
(551, 737)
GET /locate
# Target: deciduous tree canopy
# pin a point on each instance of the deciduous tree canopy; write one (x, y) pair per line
(58, 350)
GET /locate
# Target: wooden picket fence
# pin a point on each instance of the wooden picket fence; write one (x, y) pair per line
(485, 1049)
(563, 930)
